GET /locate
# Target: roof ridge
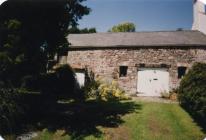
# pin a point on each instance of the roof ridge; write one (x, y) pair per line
(161, 38)
(137, 32)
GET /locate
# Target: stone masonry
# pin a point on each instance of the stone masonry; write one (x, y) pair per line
(105, 62)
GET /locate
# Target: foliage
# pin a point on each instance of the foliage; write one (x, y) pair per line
(33, 32)
(111, 91)
(105, 91)
(30, 83)
(10, 52)
(10, 110)
(61, 84)
(91, 89)
(171, 95)
(192, 91)
(123, 27)
(91, 85)
(75, 30)
(66, 83)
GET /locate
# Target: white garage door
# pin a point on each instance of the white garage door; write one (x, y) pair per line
(152, 81)
(80, 78)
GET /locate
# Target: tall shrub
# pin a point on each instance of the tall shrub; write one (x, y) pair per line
(61, 84)
(10, 110)
(192, 91)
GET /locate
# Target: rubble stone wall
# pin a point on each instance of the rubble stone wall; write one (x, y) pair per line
(105, 62)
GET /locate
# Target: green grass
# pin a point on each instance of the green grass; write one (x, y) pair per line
(158, 121)
(148, 121)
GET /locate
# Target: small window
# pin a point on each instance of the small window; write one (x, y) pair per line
(163, 66)
(142, 65)
(181, 72)
(123, 71)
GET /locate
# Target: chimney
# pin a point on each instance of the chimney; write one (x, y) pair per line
(199, 15)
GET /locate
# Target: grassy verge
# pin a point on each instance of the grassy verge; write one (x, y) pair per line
(158, 121)
(121, 121)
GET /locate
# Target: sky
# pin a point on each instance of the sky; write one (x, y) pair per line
(147, 15)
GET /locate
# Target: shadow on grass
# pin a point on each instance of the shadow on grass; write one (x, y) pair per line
(82, 119)
(201, 122)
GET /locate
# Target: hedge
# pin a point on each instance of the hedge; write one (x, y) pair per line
(192, 91)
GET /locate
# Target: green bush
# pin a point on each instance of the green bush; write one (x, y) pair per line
(30, 83)
(100, 90)
(66, 81)
(10, 110)
(61, 84)
(91, 89)
(192, 91)
(111, 91)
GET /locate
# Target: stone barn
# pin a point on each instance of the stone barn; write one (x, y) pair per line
(143, 63)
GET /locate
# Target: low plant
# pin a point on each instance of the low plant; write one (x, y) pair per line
(171, 95)
(111, 91)
(91, 89)
(165, 95)
(105, 91)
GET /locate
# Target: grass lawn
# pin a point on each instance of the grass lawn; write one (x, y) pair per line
(129, 121)
(158, 121)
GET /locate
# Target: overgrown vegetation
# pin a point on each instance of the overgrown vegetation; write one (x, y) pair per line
(38, 96)
(61, 84)
(111, 91)
(105, 91)
(32, 33)
(192, 92)
(171, 95)
(10, 110)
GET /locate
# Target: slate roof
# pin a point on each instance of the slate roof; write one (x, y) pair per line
(138, 39)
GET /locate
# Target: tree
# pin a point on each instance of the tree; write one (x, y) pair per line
(75, 30)
(44, 26)
(123, 27)
(33, 32)
(11, 52)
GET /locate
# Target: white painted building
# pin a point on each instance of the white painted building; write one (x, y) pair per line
(199, 16)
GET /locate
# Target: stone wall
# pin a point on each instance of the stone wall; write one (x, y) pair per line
(105, 62)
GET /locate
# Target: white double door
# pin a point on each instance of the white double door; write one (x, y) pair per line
(152, 81)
